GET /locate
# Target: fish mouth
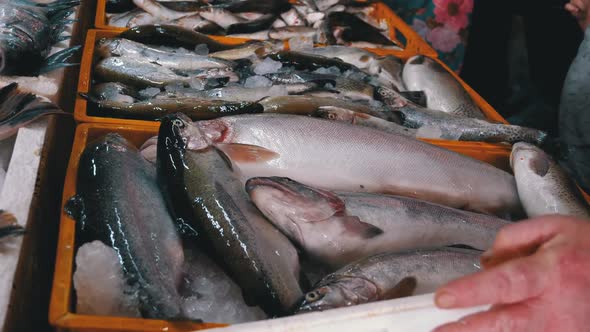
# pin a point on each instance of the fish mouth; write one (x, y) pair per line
(517, 148)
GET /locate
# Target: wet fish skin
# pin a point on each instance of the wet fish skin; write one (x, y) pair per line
(443, 91)
(362, 119)
(137, 72)
(262, 23)
(307, 105)
(302, 61)
(248, 50)
(339, 228)
(114, 186)
(440, 125)
(258, 6)
(390, 275)
(221, 17)
(543, 186)
(108, 47)
(153, 109)
(389, 72)
(258, 257)
(172, 36)
(157, 10)
(354, 29)
(198, 24)
(391, 164)
(289, 32)
(355, 56)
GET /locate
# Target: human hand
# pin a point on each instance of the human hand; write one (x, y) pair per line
(579, 9)
(548, 290)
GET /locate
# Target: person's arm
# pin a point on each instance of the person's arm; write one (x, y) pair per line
(548, 290)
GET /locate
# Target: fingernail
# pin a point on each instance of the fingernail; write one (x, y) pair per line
(445, 300)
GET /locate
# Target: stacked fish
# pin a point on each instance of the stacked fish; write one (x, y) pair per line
(151, 71)
(343, 22)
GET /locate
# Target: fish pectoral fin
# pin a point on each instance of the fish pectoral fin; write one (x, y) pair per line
(354, 225)
(245, 153)
(404, 288)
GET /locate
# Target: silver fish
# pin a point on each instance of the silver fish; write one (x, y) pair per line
(248, 50)
(388, 70)
(543, 186)
(354, 56)
(184, 61)
(390, 275)
(339, 228)
(158, 10)
(443, 91)
(362, 119)
(289, 32)
(336, 156)
(221, 17)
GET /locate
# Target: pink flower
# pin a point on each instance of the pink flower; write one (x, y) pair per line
(443, 39)
(420, 27)
(453, 13)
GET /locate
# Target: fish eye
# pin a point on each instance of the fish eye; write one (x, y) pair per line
(313, 296)
(331, 116)
(177, 123)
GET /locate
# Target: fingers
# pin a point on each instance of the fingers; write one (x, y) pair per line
(514, 317)
(530, 232)
(510, 282)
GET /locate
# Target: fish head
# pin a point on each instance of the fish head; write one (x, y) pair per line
(105, 46)
(335, 114)
(337, 291)
(530, 158)
(180, 131)
(291, 206)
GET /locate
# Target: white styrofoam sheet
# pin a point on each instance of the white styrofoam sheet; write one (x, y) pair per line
(410, 314)
(16, 196)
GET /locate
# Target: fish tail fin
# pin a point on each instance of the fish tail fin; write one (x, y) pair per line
(60, 59)
(8, 224)
(54, 8)
(58, 23)
(19, 108)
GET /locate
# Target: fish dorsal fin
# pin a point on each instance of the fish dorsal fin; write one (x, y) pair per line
(540, 166)
(245, 153)
(405, 287)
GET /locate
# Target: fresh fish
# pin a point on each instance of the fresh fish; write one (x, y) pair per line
(184, 6)
(543, 186)
(153, 109)
(157, 10)
(390, 275)
(262, 23)
(149, 149)
(197, 23)
(248, 50)
(258, 6)
(172, 36)
(292, 18)
(302, 61)
(119, 6)
(388, 70)
(143, 18)
(137, 72)
(237, 93)
(259, 35)
(355, 56)
(9, 225)
(122, 19)
(362, 119)
(440, 125)
(309, 105)
(115, 185)
(279, 23)
(312, 18)
(309, 150)
(18, 109)
(337, 229)
(209, 197)
(221, 17)
(289, 32)
(27, 33)
(443, 91)
(350, 28)
(183, 61)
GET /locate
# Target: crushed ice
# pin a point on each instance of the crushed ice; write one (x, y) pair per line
(328, 71)
(257, 82)
(267, 66)
(101, 288)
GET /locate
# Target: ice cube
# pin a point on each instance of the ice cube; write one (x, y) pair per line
(100, 286)
(149, 93)
(300, 42)
(202, 49)
(257, 81)
(267, 66)
(328, 71)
